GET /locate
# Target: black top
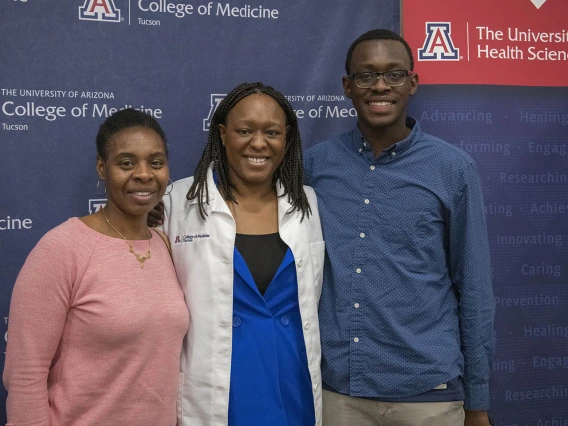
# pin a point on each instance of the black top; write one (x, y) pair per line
(263, 254)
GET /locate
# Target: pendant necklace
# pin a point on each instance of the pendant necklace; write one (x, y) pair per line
(140, 258)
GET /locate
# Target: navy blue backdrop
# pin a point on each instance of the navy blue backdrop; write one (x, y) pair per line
(64, 69)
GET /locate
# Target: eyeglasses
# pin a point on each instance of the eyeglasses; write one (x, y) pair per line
(365, 80)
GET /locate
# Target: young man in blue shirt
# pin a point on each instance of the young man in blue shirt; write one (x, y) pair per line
(406, 312)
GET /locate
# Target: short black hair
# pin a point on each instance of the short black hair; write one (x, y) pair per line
(379, 34)
(290, 171)
(125, 119)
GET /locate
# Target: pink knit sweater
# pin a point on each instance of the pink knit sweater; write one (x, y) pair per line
(93, 339)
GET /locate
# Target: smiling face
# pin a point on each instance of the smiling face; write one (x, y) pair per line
(135, 171)
(381, 109)
(254, 136)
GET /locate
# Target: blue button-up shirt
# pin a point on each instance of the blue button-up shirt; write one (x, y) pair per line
(407, 300)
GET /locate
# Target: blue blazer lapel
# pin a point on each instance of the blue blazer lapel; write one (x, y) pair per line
(243, 271)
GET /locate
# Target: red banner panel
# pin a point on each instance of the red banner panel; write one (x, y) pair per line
(507, 42)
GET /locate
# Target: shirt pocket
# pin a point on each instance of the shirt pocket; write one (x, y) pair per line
(317, 251)
(404, 233)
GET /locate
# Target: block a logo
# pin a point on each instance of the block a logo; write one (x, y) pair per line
(215, 101)
(99, 10)
(96, 205)
(438, 45)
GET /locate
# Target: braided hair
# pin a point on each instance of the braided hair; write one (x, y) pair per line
(289, 172)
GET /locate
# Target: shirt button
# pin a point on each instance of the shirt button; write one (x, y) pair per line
(364, 143)
(393, 153)
(284, 320)
(236, 322)
(360, 149)
(356, 340)
(356, 305)
(306, 326)
(300, 263)
(358, 270)
(367, 201)
(372, 167)
(316, 386)
(362, 235)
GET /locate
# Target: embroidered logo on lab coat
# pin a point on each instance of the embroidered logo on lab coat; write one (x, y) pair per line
(184, 238)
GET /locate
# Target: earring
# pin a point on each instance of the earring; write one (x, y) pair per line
(98, 190)
(172, 184)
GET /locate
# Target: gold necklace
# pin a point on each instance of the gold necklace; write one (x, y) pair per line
(140, 258)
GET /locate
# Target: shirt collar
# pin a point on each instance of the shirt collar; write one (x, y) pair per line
(361, 145)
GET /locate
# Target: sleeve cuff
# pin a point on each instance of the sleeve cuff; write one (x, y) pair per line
(476, 397)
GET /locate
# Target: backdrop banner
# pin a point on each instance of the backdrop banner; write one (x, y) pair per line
(66, 66)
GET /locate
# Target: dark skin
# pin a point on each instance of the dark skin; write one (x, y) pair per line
(136, 174)
(255, 129)
(156, 216)
(382, 114)
(381, 108)
(254, 137)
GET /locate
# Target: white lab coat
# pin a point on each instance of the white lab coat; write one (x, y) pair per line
(202, 251)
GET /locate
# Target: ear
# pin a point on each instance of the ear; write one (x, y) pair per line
(346, 86)
(101, 168)
(413, 84)
(222, 132)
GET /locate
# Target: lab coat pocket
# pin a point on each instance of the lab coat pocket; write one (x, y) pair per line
(317, 250)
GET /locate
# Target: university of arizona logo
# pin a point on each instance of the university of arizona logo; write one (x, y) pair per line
(99, 10)
(215, 101)
(438, 45)
(96, 205)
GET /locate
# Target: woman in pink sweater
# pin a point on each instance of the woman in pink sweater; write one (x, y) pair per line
(97, 316)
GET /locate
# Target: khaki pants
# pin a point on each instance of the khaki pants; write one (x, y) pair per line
(343, 410)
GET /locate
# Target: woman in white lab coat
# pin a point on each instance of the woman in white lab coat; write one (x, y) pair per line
(248, 251)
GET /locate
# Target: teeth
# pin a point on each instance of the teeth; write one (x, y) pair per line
(142, 193)
(257, 160)
(381, 103)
